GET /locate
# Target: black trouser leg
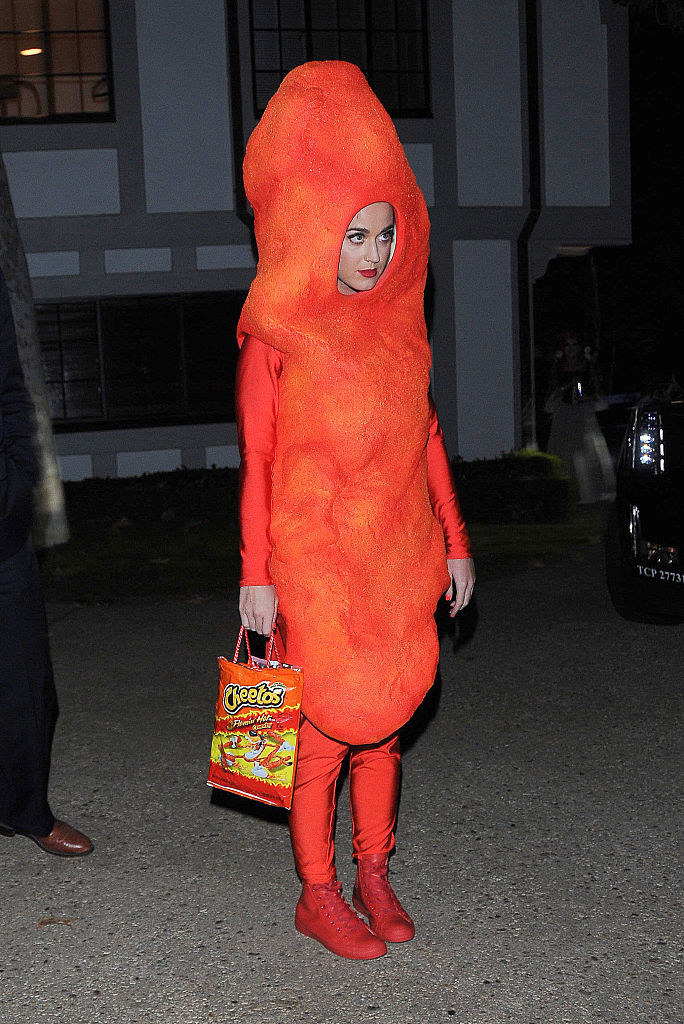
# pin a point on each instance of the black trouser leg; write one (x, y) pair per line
(28, 701)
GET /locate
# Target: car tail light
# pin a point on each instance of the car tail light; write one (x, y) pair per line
(647, 443)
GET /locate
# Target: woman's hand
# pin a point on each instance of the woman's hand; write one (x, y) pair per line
(462, 572)
(258, 608)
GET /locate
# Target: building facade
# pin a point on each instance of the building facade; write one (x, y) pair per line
(513, 114)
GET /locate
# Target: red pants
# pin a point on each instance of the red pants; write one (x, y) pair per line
(374, 773)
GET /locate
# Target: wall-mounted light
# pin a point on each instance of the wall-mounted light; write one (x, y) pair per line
(572, 250)
(32, 51)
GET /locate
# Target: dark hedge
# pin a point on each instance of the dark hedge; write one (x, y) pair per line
(519, 487)
(522, 487)
(184, 494)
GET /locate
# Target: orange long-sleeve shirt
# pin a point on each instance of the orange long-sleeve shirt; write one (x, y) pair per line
(256, 405)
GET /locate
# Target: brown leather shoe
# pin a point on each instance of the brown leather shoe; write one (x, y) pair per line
(63, 841)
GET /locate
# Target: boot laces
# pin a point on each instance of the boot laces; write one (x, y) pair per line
(380, 893)
(333, 904)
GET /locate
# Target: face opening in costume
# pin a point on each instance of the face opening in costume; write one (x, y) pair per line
(367, 249)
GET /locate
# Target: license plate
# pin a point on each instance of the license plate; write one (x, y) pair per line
(652, 572)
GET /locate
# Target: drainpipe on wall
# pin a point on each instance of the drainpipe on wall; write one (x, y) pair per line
(242, 207)
(527, 395)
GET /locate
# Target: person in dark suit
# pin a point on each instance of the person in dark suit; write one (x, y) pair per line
(28, 701)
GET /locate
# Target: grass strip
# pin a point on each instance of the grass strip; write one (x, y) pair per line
(128, 562)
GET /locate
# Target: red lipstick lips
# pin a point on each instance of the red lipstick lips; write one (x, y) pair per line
(368, 273)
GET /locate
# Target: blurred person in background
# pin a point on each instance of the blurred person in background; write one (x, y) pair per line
(573, 400)
(28, 701)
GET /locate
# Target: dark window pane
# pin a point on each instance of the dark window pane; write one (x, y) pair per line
(410, 51)
(412, 89)
(64, 54)
(266, 85)
(32, 64)
(384, 51)
(47, 323)
(90, 14)
(78, 320)
(410, 14)
(324, 14)
(292, 14)
(8, 55)
(28, 15)
(353, 14)
(266, 51)
(66, 95)
(83, 400)
(95, 93)
(31, 99)
(324, 46)
(79, 361)
(265, 13)
(52, 361)
(55, 397)
(62, 14)
(52, 365)
(211, 353)
(353, 47)
(294, 49)
(69, 349)
(93, 53)
(382, 14)
(142, 358)
(387, 90)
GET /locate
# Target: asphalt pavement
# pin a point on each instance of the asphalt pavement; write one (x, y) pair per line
(537, 847)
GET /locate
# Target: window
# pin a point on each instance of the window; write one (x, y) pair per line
(54, 60)
(386, 38)
(141, 360)
(69, 345)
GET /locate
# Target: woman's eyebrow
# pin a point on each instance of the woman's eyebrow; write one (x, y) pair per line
(365, 231)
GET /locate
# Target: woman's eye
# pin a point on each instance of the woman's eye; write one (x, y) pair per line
(386, 236)
(356, 239)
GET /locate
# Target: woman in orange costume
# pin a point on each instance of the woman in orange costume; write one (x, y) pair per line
(346, 495)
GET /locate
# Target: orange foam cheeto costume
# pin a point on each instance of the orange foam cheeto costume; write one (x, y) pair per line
(358, 558)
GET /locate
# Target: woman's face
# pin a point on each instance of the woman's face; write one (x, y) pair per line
(366, 249)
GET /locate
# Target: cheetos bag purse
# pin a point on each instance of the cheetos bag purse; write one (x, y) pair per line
(256, 729)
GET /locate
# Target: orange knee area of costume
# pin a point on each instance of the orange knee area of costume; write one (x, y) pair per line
(374, 774)
(358, 558)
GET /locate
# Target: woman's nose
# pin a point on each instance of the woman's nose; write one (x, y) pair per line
(372, 255)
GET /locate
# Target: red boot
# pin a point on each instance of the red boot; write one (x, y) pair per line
(323, 913)
(373, 897)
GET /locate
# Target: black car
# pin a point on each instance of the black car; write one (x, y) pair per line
(645, 537)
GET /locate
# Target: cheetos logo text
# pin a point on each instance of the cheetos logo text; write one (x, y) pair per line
(264, 695)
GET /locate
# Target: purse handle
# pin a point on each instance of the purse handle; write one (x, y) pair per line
(272, 646)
